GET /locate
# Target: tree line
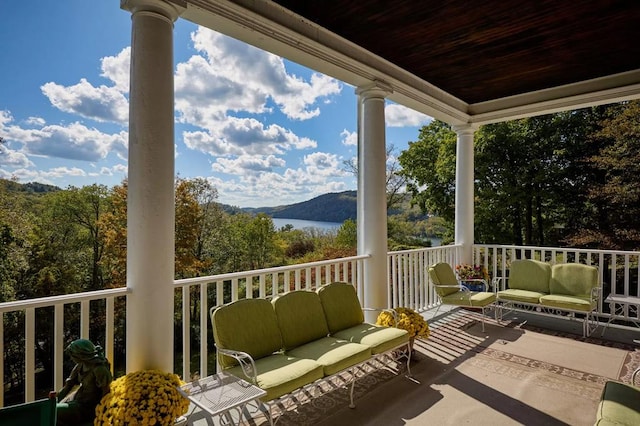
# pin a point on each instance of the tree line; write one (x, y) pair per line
(568, 179)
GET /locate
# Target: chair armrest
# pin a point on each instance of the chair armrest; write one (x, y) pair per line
(392, 312)
(595, 293)
(458, 286)
(246, 362)
(500, 283)
(634, 375)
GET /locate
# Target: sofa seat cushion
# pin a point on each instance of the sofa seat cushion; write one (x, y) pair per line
(619, 405)
(524, 296)
(472, 298)
(574, 303)
(281, 374)
(379, 339)
(333, 354)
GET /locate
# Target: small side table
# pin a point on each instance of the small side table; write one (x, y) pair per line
(621, 306)
(219, 394)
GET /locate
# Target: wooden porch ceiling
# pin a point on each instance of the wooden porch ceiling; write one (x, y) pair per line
(480, 51)
(455, 60)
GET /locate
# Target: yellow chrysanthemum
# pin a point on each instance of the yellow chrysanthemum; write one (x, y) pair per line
(408, 319)
(148, 397)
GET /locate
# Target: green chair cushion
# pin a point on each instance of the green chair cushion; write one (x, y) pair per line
(619, 405)
(530, 275)
(573, 279)
(575, 303)
(442, 274)
(341, 306)
(333, 354)
(379, 339)
(463, 298)
(300, 318)
(280, 374)
(517, 295)
(247, 325)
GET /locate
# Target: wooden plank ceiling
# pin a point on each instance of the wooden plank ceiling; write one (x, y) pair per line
(483, 50)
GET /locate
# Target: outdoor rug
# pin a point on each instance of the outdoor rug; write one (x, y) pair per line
(509, 374)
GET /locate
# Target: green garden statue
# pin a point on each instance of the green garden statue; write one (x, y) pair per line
(90, 379)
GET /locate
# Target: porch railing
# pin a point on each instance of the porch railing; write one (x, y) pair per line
(619, 270)
(408, 285)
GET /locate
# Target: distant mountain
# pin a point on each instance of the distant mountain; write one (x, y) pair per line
(332, 207)
(31, 187)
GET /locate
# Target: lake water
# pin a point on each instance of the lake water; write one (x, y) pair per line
(325, 226)
(301, 224)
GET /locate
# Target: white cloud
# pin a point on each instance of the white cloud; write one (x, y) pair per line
(349, 138)
(74, 141)
(101, 103)
(97, 103)
(36, 121)
(245, 136)
(401, 116)
(117, 69)
(247, 164)
(11, 158)
(234, 76)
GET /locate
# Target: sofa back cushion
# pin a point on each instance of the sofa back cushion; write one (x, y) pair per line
(248, 325)
(573, 279)
(300, 318)
(341, 306)
(442, 274)
(530, 275)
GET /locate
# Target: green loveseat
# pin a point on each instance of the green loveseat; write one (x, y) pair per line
(301, 337)
(564, 288)
(620, 403)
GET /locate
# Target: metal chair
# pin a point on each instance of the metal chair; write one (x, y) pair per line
(451, 292)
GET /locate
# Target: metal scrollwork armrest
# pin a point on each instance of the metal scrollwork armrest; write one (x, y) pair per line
(496, 283)
(595, 294)
(246, 362)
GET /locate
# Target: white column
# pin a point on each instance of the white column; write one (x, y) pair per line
(150, 203)
(372, 195)
(464, 191)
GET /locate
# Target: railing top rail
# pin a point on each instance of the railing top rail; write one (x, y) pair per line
(255, 272)
(571, 249)
(449, 246)
(62, 299)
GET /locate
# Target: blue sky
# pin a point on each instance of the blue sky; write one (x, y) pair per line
(265, 131)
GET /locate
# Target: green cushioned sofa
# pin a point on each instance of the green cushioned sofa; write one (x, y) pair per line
(564, 288)
(301, 337)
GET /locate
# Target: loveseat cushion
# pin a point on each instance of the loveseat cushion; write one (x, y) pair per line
(575, 303)
(619, 405)
(380, 339)
(341, 306)
(464, 298)
(300, 317)
(247, 325)
(524, 296)
(530, 275)
(573, 279)
(333, 354)
(442, 274)
(280, 374)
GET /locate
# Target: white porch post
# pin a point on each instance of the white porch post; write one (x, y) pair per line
(150, 204)
(464, 191)
(372, 195)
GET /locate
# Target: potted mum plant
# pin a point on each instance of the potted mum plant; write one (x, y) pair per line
(148, 397)
(471, 275)
(406, 319)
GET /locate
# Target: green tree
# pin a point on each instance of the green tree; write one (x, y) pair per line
(347, 234)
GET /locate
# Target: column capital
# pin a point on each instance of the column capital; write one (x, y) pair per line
(170, 9)
(376, 89)
(465, 129)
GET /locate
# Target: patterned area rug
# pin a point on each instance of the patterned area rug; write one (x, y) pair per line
(460, 368)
